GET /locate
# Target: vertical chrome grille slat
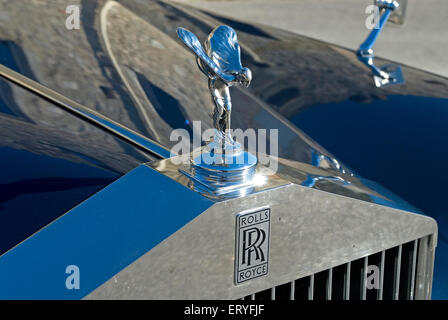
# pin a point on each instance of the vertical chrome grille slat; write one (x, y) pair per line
(364, 278)
(421, 269)
(347, 281)
(329, 283)
(380, 290)
(292, 292)
(396, 289)
(413, 270)
(311, 288)
(405, 272)
(430, 266)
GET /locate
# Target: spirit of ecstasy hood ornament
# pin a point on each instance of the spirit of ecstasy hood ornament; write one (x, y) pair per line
(220, 61)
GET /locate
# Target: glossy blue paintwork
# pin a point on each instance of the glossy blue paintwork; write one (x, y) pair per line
(400, 142)
(101, 236)
(47, 170)
(31, 196)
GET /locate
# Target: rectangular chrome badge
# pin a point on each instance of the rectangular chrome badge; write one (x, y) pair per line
(252, 244)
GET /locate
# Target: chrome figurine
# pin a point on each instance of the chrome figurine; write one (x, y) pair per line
(221, 63)
(222, 166)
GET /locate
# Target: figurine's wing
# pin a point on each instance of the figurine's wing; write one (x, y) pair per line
(223, 48)
(192, 42)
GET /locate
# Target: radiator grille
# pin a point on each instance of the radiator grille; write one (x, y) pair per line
(404, 272)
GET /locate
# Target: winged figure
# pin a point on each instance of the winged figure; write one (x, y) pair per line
(220, 61)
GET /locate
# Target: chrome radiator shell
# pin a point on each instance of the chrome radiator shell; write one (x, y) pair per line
(311, 231)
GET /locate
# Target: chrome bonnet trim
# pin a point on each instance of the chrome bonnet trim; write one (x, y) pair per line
(82, 112)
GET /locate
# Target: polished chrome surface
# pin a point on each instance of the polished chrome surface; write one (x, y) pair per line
(222, 165)
(397, 270)
(387, 74)
(329, 284)
(413, 268)
(221, 186)
(425, 267)
(313, 244)
(323, 177)
(363, 281)
(311, 288)
(380, 291)
(347, 278)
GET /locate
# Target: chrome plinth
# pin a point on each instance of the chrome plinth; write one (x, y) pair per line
(223, 163)
(222, 168)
